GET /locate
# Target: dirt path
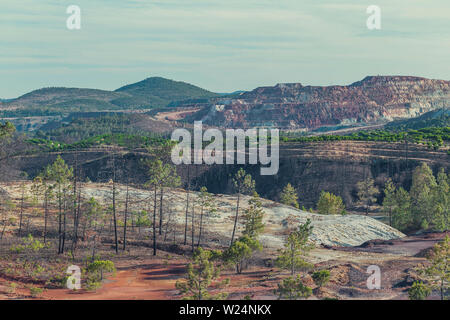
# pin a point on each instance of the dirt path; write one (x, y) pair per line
(148, 281)
(175, 115)
(408, 246)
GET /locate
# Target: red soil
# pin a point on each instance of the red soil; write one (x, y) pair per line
(149, 281)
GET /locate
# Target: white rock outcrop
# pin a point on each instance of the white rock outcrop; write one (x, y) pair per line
(349, 230)
(332, 230)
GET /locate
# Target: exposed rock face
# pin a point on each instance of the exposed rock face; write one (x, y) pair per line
(311, 167)
(294, 106)
(330, 230)
(280, 220)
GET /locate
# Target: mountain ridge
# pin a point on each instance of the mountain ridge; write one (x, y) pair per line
(289, 106)
(373, 100)
(160, 93)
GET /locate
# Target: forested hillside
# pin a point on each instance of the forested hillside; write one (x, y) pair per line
(146, 94)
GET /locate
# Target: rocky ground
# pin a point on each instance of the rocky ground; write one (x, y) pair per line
(345, 245)
(329, 230)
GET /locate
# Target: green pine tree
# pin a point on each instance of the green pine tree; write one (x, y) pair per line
(253, 217)
(201, 274)
(330, 204)
(296, 248)
(289, 196)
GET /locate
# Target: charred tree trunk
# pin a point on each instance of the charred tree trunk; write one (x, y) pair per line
(161, 210)
(59, 221)
(75, 207)
(45, 215)
(154, 222)
(187, 205)
(236, 218)
(64, 224)
(193, 227)
(200, 228)
(21, 209)
(116, 242)
(125, 220)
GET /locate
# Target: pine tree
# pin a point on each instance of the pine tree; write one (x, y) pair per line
(59, 174)
(253, 217)
(401, 214)
(5, 216)
(440, 219)
(161, 176)
(241, 251)
(169, 179)
(154, 171)
(207, 209)
(243, 183)
(42, 188)
(22, 203)
(423, 184)
(289, 196)
(389, 201)
(438, 273)
(95, 220)
(366, 193)
(330, 204)
(201, 274)
(296, 248)
(293, 289)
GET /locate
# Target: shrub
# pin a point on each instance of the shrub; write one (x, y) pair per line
(293, 289)
(240, 251)
(33, 244)
(419, 291)
(35, 291)
(99, 267)
(92, 285)
(321, 277)
(12, 287)
(17, 249)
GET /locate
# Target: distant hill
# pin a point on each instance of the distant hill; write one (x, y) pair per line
(160, 92)
(293, 106)
(65, 100)
(146, 94)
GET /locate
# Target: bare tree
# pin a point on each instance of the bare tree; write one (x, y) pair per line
(125, 217)
(243, 183)
(116, 241)
(187, 205)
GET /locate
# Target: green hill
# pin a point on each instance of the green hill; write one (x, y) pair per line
(146, 94)
(160, 92)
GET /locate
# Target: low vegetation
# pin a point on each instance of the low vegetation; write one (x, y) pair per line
(433, 137)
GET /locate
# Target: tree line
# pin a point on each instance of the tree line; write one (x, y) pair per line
(425, 206)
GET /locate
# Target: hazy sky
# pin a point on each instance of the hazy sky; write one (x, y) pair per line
(222, 46)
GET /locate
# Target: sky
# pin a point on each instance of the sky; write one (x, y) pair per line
(222, 46)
